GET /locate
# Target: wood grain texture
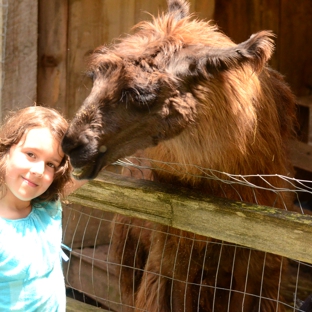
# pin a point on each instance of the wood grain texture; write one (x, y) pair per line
(240, 19)
(52, 51)
(19, 57)
(291, 22)
(295, 37)
(77, 306)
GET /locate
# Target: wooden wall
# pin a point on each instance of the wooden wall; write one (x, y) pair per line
(291, 21)
(19, 29)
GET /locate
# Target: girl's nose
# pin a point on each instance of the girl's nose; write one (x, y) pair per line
(38, 168)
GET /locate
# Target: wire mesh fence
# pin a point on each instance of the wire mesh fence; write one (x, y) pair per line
(128, 264)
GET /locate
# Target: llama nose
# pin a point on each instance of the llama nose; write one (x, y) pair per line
(72, 143)
(67, 144)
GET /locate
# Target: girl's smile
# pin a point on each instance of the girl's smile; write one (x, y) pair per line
(30, 183)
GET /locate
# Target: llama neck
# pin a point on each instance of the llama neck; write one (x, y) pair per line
(207, 171)
(237, 131)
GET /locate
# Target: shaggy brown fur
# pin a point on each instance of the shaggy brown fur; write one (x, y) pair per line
(184, 92)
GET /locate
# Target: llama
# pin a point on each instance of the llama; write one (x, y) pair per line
(307, 305)
(183, 92)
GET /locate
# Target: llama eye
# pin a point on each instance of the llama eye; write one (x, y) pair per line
(91, 75)
(145, 100)
(139, 98)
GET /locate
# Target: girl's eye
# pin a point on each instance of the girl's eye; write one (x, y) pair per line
(51, 165)
(32, 155)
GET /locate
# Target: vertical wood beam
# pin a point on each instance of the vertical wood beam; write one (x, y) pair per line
(19, 55)
(52, 53)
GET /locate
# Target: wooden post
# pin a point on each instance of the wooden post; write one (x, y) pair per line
(18, 54)
(52, 53)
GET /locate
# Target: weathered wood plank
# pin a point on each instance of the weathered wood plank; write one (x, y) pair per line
(305, 101)
(295, 46)
(52, 52)
(77, 306)
(203, 9)
(305, 118)
(301, 155)
(19, 57)
(239, 19)
(273, 230)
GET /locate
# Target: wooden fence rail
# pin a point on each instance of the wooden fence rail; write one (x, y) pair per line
(268, 229)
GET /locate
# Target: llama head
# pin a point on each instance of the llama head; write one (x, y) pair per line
(144, 86)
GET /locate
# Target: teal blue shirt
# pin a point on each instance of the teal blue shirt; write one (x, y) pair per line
(31, 277)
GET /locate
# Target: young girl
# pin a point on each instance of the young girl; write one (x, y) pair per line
(33, 174)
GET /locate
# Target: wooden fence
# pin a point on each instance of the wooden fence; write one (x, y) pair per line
(236, 222)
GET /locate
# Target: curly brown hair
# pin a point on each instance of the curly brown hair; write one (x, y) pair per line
(16, 125)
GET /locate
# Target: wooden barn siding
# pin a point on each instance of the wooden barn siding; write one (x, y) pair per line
(19, 23)
(291, 21)
(68, 29)
(52, 53)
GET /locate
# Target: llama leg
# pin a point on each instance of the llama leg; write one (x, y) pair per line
(256, 277)
(226, 284)
(164, 283)
(153, 288)
(128, 255)
(274, 266)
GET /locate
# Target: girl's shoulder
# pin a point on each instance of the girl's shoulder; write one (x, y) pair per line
(41, 215)
(52, 208)
(47, 211)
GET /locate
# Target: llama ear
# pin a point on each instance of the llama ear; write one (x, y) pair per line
(195, 60)
(178, 8)
(255, 51)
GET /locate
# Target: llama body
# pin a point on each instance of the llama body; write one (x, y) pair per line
(185, 93)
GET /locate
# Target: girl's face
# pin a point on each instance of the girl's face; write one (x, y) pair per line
(31, 165)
